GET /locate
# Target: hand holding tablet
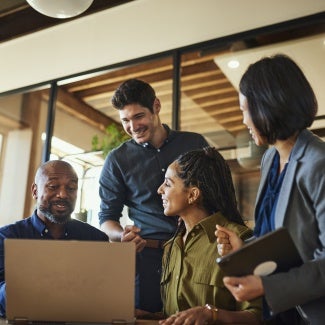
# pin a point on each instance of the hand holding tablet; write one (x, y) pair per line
(273, 252)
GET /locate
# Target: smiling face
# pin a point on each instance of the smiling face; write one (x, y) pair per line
(175, 197)
(139, 122)
(247, 120)
(55, 190)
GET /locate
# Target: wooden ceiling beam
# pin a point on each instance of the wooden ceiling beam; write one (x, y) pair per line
(116, 77)
(213, 92)
(97, 92)
(208, 66)
(207, 81)
(320, 132)
(81, 110)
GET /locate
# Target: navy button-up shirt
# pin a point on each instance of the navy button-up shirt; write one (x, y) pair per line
(131, 176)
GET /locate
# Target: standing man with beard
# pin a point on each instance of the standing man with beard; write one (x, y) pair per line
(131, 176)
(55, 191)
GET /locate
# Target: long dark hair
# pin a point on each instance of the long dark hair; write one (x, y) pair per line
(208, 170)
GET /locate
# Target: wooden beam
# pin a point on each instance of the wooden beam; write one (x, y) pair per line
(81, 110)
(319, 132)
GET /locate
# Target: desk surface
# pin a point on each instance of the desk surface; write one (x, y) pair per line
(138, 322)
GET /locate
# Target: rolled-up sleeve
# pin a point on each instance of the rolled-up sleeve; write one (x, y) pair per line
(111, 191)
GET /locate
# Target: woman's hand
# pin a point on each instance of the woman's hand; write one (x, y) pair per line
(192, 316)
(245, 288)
(228, 241)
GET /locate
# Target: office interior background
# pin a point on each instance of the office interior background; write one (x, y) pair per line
(58, 78)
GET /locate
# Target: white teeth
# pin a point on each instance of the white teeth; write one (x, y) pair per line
(140, 132)
(60, 206)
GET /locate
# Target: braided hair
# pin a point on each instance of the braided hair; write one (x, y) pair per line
(207, 169)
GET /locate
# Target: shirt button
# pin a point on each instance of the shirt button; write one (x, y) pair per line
(46, 231)
(197, 227)
(163, 170)
(158, 150)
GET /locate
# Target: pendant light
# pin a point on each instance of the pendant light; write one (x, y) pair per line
(60, 8)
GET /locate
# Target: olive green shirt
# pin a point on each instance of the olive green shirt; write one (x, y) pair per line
(192, 277)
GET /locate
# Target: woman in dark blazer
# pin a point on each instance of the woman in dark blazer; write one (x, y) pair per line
(278, 106)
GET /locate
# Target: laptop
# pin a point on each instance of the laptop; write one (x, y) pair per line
(271, 253)
(69, 282)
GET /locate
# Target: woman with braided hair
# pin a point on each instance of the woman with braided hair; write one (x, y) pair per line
(198, 189)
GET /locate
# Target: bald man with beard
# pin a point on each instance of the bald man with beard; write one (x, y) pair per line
(55, 190)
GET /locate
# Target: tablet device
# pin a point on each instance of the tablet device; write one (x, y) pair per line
(271, 253)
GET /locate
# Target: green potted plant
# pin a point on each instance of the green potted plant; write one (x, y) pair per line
(82, 215)
(113, 137)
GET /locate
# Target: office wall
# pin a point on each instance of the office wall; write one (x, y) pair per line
(17, 152)
(133, 30)
(14, 180)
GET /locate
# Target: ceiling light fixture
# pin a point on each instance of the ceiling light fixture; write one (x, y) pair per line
(60, 8)
(233, 64)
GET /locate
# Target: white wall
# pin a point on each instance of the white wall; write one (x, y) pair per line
(14, 166)
(69, 129)
(14, 180)
(133, 30)
(308, 53)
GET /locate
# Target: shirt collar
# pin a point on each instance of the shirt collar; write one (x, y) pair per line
(37, 223)
(208, 224)
(40, 226)
(170, 135)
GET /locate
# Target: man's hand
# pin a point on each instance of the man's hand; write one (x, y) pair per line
(131, 234)
(192, 316)
(245, 288)
(227, 240)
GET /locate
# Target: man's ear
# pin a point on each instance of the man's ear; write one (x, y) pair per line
(34, 191)
(156, 106)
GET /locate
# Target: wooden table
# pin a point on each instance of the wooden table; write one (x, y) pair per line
(138, 322)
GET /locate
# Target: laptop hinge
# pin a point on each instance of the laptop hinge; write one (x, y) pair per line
(19, 321)
(25, 321)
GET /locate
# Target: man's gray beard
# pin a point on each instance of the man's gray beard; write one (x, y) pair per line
(52, 218)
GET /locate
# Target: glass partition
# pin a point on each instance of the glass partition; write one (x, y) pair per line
(208, 92)
(209, 96)
(84, 111)
(22, 121)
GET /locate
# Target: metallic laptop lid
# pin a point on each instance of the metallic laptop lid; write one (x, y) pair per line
(69, 281)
